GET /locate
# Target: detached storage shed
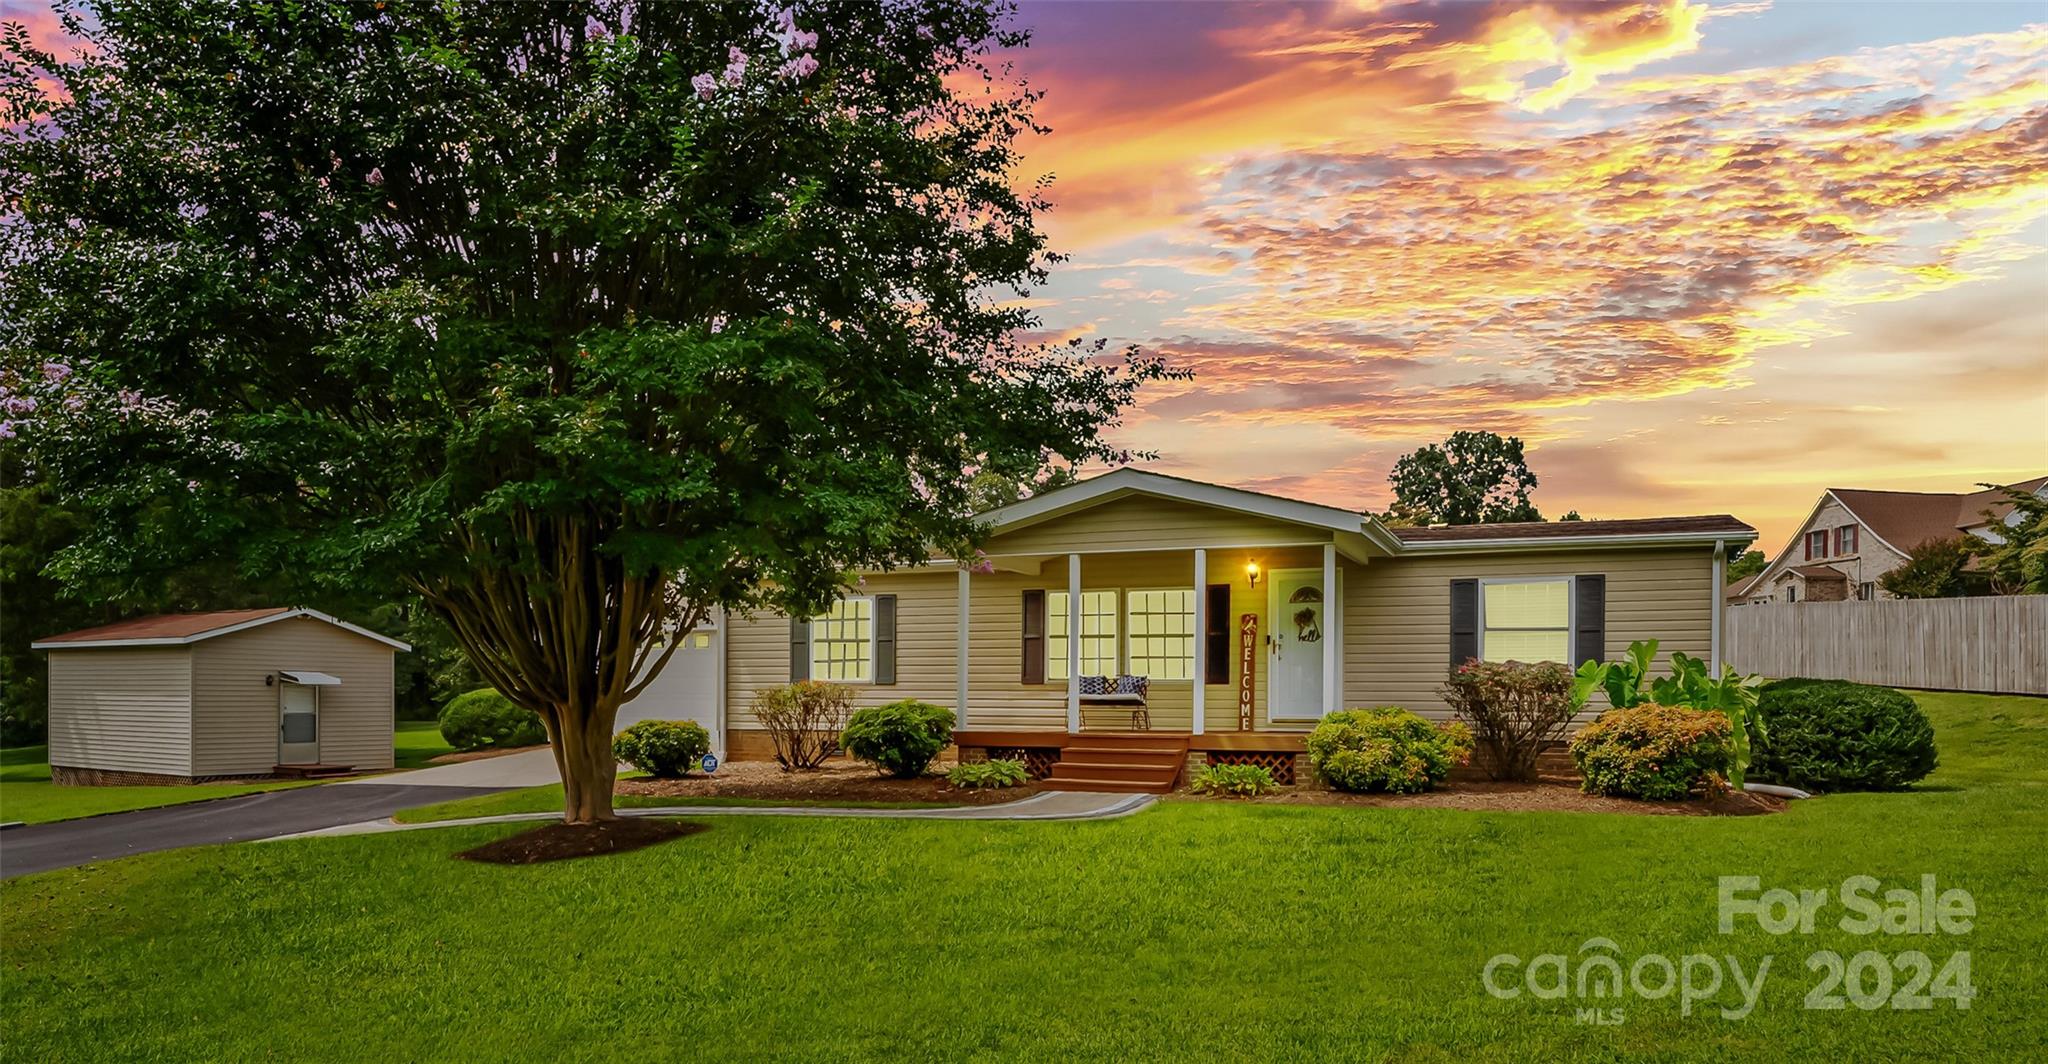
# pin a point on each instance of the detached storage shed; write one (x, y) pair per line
(188, 697)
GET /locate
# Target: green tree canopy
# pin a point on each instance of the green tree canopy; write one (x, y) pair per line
(1936, 568)
(2019, 564)
(580, 320)
(1472, 478)
(1748, 564)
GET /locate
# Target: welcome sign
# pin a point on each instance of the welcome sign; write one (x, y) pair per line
(1247, 663)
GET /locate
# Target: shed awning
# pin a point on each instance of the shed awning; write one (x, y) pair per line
(309, 679)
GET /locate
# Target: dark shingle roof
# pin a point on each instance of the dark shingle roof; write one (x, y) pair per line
(1648, 526)
(163, 626)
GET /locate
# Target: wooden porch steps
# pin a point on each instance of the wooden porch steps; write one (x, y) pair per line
(1121, 763)
(311, 772)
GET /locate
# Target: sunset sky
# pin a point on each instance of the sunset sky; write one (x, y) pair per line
(1702, 257)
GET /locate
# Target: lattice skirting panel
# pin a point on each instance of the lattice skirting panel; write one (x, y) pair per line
(1278, 762)
(1038, 760)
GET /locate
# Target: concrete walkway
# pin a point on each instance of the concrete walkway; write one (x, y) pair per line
(1045, 805)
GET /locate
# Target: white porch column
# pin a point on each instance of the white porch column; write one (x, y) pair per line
(1333, 663)
(960, 669)
(1201, 635)
(1073, 642)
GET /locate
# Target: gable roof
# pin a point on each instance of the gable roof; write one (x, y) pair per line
(1906, 519)
(1361, 529)
(182, 629)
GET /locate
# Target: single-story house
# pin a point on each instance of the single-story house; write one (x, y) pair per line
(1220, 623)
(188, 697)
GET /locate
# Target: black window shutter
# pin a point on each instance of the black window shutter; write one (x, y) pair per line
(1216, 669)
(1033, 670)
(885, 639)
(799, 649)
(1589, 619)
(1464, 621)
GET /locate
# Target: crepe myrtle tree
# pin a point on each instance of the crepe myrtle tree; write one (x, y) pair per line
(578, 320)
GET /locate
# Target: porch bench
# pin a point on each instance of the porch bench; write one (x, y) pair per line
(1121, 693)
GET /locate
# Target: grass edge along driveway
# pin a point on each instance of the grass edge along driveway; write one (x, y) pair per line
(1194, 930)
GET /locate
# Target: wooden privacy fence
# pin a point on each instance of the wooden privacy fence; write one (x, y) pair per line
(1997, 645)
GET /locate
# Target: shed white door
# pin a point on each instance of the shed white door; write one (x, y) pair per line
(1294, 677)
(687, 688)
(298, 724)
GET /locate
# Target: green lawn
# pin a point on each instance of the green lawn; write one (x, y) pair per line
(26, 793)
(418, 741)
(1193, 930)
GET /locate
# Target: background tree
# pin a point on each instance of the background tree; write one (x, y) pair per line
(1471, 478)
(576, 320)
(1937, 568)
(2019, 566)
(989, 490)
(1748, 564)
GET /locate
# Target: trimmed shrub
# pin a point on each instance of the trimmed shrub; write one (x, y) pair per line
(483, 719)
(1514, 711)
(1386, 749)
(998, 772)
(1662, 753)
(665, 749)
(901, 738)
(1833, 735)
(1245, 781)
(803, 720)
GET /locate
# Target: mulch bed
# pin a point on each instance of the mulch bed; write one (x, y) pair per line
(1541, 796)
(561, 842)
(460, 756)
(838, 780)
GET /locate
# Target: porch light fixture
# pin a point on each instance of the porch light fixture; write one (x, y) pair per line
(1251, 573)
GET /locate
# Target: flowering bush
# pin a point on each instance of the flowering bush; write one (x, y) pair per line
(1386, 749)
(1663, 753)
(1514, 709)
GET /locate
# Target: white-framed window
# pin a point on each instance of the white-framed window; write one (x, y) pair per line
(1098, 634)
(843, 642)
(1159, 633)
(1526, 619)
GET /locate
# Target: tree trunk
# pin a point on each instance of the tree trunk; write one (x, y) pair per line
(583, 757)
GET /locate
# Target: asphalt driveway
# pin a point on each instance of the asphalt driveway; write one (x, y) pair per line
(41, 847)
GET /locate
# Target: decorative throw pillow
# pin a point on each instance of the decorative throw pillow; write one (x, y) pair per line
(1133, 685)
(1094, 685)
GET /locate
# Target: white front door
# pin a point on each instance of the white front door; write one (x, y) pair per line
(298, 724)
(1294, 654)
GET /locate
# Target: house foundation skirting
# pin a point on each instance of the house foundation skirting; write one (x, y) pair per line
(67, 776)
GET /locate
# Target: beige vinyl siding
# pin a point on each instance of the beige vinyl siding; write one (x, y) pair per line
(235, 715)
(122, 708)
(926, 624)
(1397, 613)
(1145, 523)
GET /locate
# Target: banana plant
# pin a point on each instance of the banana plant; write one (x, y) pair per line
(1622, 680)
(1693, 686)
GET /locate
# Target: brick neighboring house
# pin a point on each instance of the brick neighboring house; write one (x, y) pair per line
(1855, 535)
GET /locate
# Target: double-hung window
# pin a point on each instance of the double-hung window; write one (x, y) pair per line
(1817, 544)
(1845, 539)
(843, 642)
(1160, 633)
(1525, 620)
(1098, 634)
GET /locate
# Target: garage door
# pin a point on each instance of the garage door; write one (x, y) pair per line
(687, 688)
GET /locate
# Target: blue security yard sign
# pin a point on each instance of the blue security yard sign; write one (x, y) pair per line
(710, 763)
